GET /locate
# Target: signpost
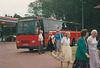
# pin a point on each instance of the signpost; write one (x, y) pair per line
(82, 15)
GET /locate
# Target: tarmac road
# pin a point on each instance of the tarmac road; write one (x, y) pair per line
(11, 57)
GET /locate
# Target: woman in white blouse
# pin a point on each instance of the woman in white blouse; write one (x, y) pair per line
(94, 57)
(66, 50)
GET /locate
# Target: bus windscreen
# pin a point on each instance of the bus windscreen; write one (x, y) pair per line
(27, 27)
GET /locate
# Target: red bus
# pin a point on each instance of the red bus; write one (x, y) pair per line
(28, 29)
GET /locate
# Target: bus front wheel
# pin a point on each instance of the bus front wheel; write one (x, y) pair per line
(30, 49)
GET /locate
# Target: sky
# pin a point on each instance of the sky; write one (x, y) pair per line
(11, 7)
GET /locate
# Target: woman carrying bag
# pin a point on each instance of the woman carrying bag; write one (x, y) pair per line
(66, 51)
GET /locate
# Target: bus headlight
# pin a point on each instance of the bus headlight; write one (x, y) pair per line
(33, 41)
(17, 41)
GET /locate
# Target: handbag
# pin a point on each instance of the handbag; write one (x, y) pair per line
(61, 56)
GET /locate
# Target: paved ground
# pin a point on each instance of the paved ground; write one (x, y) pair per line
(10, 57)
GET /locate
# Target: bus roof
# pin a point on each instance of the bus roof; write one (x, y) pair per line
(53, 19)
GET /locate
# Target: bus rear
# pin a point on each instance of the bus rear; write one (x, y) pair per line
(27, 33)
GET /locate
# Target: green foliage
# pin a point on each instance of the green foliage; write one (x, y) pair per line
(35, 8)
(68, 10)
(65, 9)
(8, 15)
(14, 16)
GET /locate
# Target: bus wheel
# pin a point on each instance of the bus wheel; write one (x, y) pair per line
(30, 49)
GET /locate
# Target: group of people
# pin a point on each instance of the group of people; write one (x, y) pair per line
(86, 53)
(63, 49)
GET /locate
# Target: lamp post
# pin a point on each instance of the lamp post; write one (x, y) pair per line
(82, 14)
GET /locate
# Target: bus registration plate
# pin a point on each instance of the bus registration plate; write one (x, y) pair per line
(25, 44)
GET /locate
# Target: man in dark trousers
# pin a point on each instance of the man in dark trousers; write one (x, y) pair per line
(40, 43)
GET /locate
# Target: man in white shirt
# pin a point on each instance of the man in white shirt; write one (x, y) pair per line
(40, 42)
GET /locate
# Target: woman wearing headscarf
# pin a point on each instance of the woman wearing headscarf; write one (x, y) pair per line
(94, 60)
(82, 56)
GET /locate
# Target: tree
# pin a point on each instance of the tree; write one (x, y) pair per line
(7, 15)
(35, 8)
(68, 10)
(58, 9)
(16, 16)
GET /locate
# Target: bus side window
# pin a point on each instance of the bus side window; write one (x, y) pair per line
(41, 24)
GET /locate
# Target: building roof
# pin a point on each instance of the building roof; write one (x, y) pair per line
(8, 22)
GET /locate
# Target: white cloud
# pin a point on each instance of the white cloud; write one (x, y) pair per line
(14, 6)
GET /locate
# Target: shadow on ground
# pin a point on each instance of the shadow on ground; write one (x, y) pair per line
(34, 51)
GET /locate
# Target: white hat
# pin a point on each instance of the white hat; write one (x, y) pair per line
(94, 31)
(41, 31)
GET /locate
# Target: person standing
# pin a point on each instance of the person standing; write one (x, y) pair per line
(51, 42)
(82, 57)
(40, 43)
(57, 38)
(66, 50)
(94, 60)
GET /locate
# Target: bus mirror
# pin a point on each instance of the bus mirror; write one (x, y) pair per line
(38, 24)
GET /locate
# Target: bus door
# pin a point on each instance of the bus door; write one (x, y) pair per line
(42, 28)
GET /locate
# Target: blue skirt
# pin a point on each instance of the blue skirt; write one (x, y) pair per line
(58, 45)
(81, 63)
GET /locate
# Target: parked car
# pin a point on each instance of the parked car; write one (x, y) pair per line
(10, 38)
